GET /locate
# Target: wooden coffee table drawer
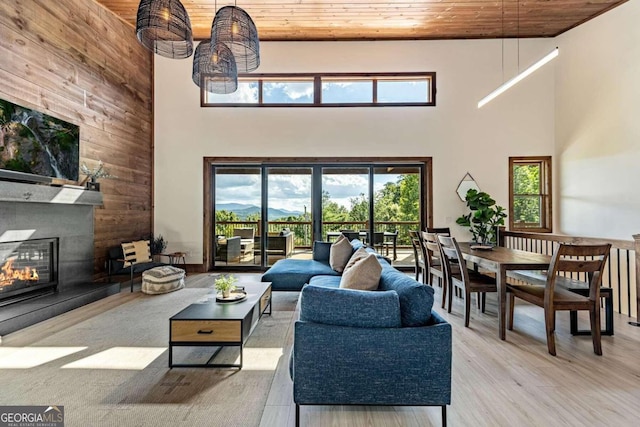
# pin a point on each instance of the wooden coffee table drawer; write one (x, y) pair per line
(206, 331)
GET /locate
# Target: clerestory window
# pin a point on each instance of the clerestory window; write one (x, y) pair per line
(328, 90)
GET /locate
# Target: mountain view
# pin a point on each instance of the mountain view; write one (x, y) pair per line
(244, 211)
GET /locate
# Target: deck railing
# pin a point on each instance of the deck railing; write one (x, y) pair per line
(622, 272)
(304, 234)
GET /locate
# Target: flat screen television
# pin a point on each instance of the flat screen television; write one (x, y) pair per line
(35, 146)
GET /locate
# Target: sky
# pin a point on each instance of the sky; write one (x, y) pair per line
(293, 192)
(297, 92)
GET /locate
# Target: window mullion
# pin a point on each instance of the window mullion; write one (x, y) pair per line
(317, 90)
(374, 85)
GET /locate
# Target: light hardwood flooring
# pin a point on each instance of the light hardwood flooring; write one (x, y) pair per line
(494, 383)
(504, 383)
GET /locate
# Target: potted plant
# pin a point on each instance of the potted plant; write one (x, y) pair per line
(157, 244)
(225, 285)
(484, 218)
(94, 174)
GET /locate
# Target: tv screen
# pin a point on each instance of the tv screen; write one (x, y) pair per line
(35, 143)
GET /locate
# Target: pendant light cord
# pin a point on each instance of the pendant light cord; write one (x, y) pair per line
(502, 41)
(518, 17)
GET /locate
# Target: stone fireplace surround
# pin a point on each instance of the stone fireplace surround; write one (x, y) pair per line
(32, 211)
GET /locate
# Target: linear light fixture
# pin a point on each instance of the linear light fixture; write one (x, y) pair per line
(505, 86)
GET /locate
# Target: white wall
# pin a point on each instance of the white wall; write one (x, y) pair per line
(598, 126)
(455, 133)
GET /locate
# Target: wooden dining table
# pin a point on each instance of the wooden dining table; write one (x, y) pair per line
(500, 260)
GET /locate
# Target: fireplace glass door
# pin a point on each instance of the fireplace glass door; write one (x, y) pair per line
(27, 267)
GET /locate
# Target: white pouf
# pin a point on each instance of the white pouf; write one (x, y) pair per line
(160, 280)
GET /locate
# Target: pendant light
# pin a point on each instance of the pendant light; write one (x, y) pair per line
(216, 67)
(521, 75)
(163, 27)
(234, 27)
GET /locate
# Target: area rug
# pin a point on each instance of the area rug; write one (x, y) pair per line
(112, 370)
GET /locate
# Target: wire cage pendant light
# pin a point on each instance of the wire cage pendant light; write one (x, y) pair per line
(234, 27)
(163, 27)
(215, 66)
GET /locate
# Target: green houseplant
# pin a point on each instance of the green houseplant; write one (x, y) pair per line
(225, 284)
(484, 218)
(157, 244)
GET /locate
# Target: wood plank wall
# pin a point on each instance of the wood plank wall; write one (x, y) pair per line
(75, 60)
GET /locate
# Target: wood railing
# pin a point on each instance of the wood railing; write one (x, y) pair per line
(622, 272)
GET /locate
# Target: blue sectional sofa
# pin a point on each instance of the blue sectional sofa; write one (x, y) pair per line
(293, 274)
(385, 347)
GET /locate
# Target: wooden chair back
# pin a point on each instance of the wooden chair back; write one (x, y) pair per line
(439, 230)
(419, 262)
(588, 260)
(452, 254)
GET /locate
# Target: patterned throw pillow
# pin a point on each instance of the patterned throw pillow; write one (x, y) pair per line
(362, 273)
(340, 254)
(136, 252)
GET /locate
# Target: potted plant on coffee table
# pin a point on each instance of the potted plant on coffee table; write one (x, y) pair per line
(484, 218)
(225, 285)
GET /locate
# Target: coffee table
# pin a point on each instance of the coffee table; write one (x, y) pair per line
(214, 324)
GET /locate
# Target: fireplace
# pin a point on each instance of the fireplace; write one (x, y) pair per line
(28, 268)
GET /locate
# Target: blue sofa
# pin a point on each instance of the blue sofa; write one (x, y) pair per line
(293, 274)
(365, 348)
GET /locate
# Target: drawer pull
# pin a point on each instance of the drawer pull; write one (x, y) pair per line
(205, 331)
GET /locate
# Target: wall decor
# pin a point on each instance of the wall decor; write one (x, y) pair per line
(36, 144)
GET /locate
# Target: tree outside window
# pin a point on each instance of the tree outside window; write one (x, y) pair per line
(530, 194)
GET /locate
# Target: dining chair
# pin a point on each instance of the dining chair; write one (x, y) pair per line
(429, 240)
(390, 241)
(432, 254)
(446, 231)
(469, 281)
(378, 241)
(585, 260)
(419, 265)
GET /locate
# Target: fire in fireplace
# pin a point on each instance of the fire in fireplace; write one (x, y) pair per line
(28, 268)
(10, 275)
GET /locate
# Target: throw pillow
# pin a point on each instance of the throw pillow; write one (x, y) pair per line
(136, 252)
(362, 274)
(360, 253)
(340, 254)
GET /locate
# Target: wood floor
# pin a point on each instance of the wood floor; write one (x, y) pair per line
(504, 383)
(495, 383)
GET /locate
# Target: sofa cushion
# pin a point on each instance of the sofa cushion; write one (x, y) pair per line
(416, 299)
(362, 272)
(292, 274)
(340, 254)
(321, 251)
(326, 281)
(348, 307)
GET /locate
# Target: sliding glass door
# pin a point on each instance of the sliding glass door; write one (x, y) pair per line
(345, 202)
(289, 219)
(266, 212)
(397, 205)
(238, 215)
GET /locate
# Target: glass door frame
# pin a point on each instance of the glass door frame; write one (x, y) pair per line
(316, 164)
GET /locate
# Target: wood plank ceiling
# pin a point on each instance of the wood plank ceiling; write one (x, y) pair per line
(297, 20)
